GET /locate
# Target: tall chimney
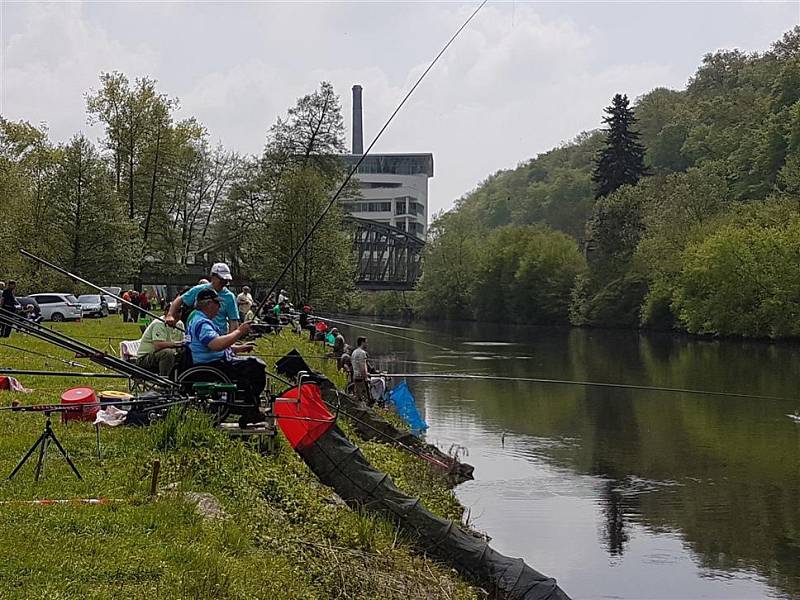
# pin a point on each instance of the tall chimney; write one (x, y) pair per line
(358, 131)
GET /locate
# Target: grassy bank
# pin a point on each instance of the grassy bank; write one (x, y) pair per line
(282, 535)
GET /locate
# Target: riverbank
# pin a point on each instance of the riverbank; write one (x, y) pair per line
(272, 530)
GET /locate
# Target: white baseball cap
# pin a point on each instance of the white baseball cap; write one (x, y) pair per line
(222, 271)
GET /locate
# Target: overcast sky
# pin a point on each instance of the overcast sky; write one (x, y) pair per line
(523, 77)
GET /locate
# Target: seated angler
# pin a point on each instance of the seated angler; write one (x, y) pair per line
(160, 347)
(209, 346)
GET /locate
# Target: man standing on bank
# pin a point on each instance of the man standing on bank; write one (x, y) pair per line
(8, 302)
(360, 371)
(227, 318)
(244, 302)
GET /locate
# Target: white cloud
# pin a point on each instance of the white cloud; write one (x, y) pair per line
(520, 79)
(52, 57)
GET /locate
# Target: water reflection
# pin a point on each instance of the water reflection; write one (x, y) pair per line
(624, 493)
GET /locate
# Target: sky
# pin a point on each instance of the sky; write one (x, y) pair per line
(522, 78)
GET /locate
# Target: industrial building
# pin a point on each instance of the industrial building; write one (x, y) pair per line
(394, 187)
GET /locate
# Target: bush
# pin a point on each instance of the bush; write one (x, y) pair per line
(743, 280)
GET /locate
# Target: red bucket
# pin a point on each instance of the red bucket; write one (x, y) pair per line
(80, 395)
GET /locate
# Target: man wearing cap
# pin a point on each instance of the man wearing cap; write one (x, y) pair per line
(227, 317)
(209, 346)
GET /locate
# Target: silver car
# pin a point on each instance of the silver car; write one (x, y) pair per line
(58, 307)
(94, 305)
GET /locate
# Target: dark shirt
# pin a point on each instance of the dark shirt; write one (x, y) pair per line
(338, 345)
(9, 302)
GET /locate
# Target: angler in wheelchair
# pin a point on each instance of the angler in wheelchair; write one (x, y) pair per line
(210, 354)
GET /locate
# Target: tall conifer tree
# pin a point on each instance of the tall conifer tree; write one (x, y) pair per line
(621, 161)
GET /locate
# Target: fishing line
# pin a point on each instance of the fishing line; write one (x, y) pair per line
(354, 169)
(627, 386)
(386, 333)
(71, 363)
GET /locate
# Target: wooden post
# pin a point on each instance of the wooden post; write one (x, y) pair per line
(154, 478)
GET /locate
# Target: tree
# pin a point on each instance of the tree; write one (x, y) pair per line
(621, 161)
(91, 233)
(286, 191)
(451, 256)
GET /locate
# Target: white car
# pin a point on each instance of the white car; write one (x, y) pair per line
(58, 307)
(114, 305)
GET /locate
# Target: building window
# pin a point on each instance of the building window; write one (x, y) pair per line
(379, 185)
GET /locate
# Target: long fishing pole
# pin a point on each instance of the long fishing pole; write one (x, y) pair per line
(626, 386)
(354, 169)
(89, 283)
(102, 358)
(71, 363)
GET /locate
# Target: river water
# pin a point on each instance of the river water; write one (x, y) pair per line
(618, 493)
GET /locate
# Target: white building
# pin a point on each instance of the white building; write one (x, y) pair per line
(394, 187)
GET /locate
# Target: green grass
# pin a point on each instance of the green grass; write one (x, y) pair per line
(284, 535)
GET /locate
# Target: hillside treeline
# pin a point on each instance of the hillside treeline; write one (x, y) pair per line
(154, 193)
(707, 241)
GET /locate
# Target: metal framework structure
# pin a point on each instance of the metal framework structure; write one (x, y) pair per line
(387, 258)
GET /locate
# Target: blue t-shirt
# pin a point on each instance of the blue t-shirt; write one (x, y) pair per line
(228, 311)
(200, 332)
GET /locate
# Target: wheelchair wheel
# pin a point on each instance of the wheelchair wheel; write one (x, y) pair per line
(204, 374)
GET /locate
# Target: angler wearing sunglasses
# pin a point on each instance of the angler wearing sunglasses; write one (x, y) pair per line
(209, 346)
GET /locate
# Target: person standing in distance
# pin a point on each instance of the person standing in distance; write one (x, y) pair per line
(227, 319)
(9, 303)
(244, 301)
(360, 370)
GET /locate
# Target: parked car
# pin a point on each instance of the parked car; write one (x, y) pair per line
(58, 307)
(113, 303)
(93, 305)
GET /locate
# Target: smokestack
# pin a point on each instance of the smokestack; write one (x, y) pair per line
(358, 131)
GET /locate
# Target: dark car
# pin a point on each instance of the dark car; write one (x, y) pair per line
(25, 301)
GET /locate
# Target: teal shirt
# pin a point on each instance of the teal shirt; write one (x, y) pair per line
(228, 311)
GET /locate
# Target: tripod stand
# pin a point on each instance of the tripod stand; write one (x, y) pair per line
(43, 443)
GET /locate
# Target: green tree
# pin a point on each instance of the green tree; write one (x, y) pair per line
(287, 190)
(743, 280)
(621, 161)
(525, 274)
(448, 274)
(91, 234)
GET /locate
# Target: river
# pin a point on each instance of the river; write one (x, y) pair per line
(618, 493)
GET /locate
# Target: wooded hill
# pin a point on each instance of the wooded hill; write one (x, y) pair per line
(708, 241)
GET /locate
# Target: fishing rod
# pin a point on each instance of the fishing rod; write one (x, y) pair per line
(627, 386)
(386, 436)
(62, 374)
(71, 363)
(386, 333)
(89, 283)
(79, 406)
(79, 348)
(354, 169)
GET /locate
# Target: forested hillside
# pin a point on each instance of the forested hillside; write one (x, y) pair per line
(707, 241)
